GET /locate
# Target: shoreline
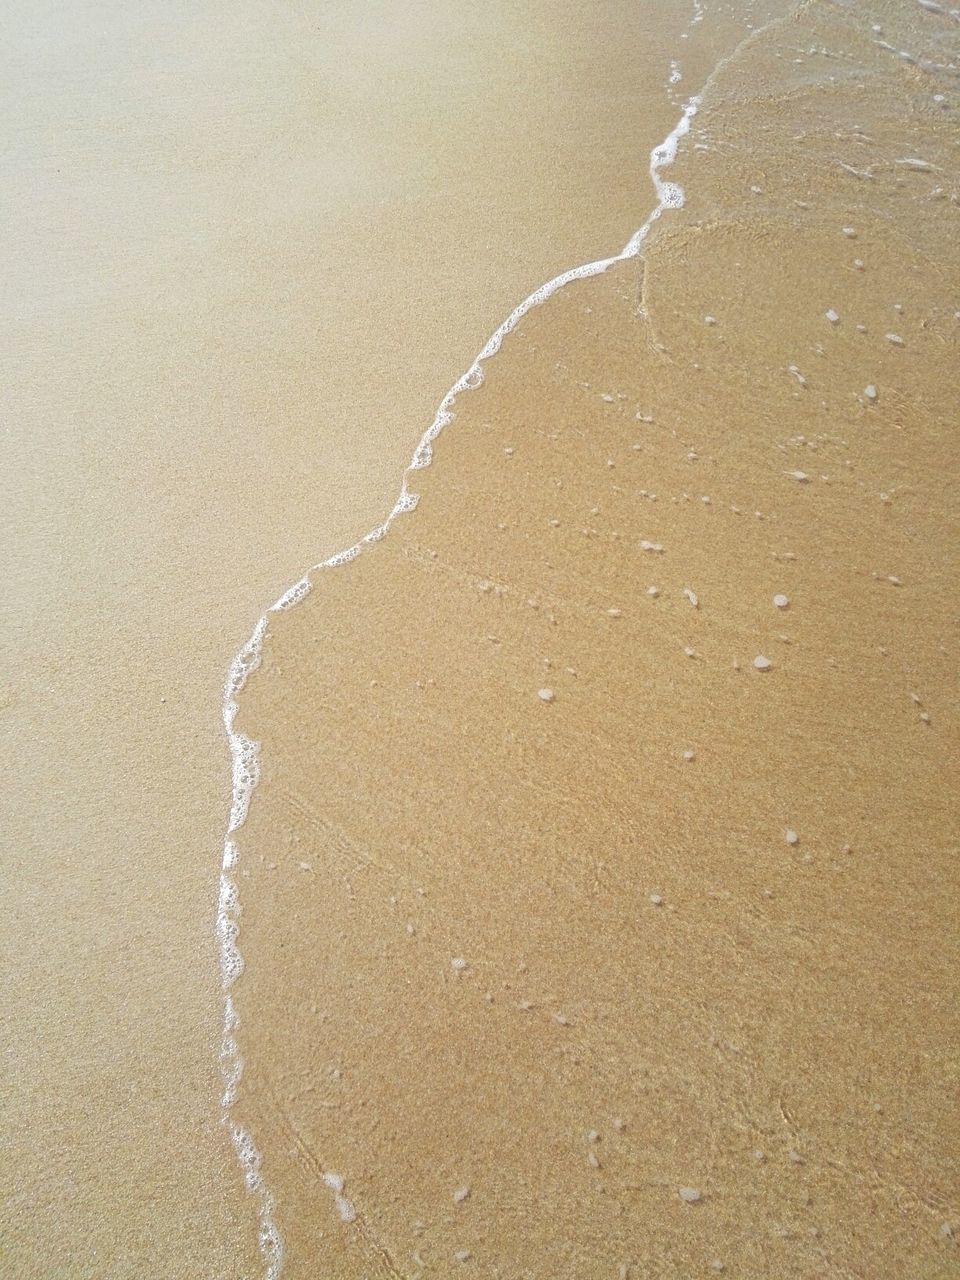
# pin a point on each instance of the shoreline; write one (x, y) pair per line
(223, 318)
(244, 752)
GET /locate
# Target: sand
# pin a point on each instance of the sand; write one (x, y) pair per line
(249, 248)
(599, 896)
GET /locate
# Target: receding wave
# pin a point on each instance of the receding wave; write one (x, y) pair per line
(668, 474)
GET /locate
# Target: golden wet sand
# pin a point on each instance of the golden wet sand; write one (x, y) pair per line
(249, 247)
(599, 893)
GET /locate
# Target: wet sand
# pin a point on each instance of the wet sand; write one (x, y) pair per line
(599, 894)
(248, 251)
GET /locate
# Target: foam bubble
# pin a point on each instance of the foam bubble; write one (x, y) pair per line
(293, 596)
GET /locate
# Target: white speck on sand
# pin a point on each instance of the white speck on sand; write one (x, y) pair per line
(711, 320)
(781, 601)
(689, 755)
(656, 900)
(850, 233)
(462, 1255)
(458, 964)
(792, 837)
(614, 613)
(761, 663)
(650, 546)
(692, 597)
(333, 1181)
(894, 339)
(546, 695)
(653, 591)
(832, 316)
(870, 391)
(690, 1195)
(801, 477)
(460, 1195)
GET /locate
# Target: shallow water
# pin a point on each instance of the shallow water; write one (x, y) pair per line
(525, 973)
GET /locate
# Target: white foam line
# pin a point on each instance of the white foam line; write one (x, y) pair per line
(244, 751)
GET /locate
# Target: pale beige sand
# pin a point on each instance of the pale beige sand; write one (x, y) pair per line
(660, 988)
(247, 249)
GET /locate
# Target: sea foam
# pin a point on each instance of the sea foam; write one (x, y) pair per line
(244, 751)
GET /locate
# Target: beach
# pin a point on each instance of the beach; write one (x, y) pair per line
(594, 910)
(248, 250)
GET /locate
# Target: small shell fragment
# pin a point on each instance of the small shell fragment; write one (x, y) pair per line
(781, 601)
(832, 316)
(690, 1195)
(761, 663)
(546, 695)
(692, 597)
(800, 476)
(870, 391)
(792, 837)
(460, 1195)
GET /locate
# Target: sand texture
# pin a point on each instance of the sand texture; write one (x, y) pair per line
(599, 893)
(248, 247)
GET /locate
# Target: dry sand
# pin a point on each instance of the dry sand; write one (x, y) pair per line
(599, 892)
(248, 249)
